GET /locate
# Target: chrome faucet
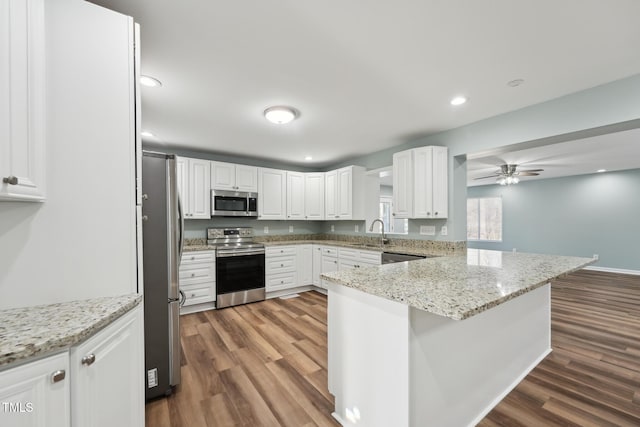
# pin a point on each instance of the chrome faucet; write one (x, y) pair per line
(383, 239)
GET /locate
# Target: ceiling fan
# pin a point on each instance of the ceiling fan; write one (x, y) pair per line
(508, 174)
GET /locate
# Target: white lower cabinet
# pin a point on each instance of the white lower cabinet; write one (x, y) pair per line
(353, 258)
(317, 264)
(198, 280)
(304, 264)
(98, 383)
(37, 394)
(107, 386)
(280, 268)
(329, 262)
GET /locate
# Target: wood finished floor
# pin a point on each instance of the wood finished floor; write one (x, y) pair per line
(265, 364)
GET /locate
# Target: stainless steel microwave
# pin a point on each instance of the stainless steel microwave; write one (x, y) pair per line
(233, 203)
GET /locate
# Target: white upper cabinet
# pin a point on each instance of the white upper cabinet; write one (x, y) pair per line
(420, 183)
(22, 98)
(272, 194)
(344, 193)
(233, 177)
(402, 184)
(295, 195)
(194, 187)
(314, 195)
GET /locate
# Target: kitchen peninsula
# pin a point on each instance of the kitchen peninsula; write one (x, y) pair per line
(440, 341)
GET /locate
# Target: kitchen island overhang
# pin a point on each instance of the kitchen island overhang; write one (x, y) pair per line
(401, 354)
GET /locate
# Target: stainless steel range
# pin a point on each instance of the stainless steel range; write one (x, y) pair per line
(239, 266)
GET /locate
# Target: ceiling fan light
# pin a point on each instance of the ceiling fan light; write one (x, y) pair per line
(280, 115)
(515, 180)
(501, 181)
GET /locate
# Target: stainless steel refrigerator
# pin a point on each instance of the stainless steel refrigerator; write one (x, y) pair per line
(162, 231)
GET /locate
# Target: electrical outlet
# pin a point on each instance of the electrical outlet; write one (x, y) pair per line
(444, 231)
(596, 257)
(333, 228)
(428, 230)
(357, 228)
(513, 250)
(266, 229)
(291, 229)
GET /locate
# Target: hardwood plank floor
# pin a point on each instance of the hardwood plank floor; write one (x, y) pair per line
(592, 377)
(265, 364)
(261, 364)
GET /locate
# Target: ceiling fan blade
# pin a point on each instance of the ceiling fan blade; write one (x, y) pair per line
(527, 173)
(532, 170)
(488, 176)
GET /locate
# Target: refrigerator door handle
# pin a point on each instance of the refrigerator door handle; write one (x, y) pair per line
(183, 298)
(181, 244)
(174, 343)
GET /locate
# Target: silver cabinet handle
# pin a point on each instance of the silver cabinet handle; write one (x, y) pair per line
(89, 359)
(428, 213)
(281, 265)
(58, 376)
(192, 258)
(11, 180)
(193, 295)
(145, 217)
(393, 214)
(193, 274)
(335, 262)
(435, 213)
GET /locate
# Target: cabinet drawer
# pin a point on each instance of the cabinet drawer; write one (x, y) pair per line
(329, 250)
(347, 264)
(280, 281)
(280, 251)
(280, 264)
(370, 257)
(190, 258)
(348, 253)
(197, 294)
(203, 273)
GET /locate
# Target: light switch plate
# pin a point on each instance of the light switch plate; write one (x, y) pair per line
(333, 228)
(291, 229)
(357, 228)
(266, 229)
(444, 231)
(428, 230)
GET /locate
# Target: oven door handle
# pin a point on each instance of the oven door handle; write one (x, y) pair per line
(222, 254)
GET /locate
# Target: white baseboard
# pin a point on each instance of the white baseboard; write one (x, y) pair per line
(509, 389)
(284, 292)
(613, 270)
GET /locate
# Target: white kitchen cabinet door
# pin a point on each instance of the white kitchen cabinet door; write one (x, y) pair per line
(295, 195)
(331, 195)
(37, 394)
(430, 196)
(345, 193)
(402, 184)
(272, 194)
(223, 176)
(329, 264)
(107, 375)
(314, 196)
(440, 182)
(233, 177)
(199, 189)
(317, 264)
(247, 178)
(182, 178)
(304, 264)
(22, 100)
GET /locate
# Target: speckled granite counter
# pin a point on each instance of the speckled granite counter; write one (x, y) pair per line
(459, 287)
(45, 329)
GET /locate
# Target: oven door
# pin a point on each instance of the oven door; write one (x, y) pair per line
(237, 272)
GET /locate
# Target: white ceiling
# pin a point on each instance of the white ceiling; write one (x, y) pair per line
(613, 152)
(364, 75)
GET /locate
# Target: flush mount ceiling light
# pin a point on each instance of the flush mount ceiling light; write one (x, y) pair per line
(280, 115)
(308, 158)
(146, 134)
(150, 81)
(601, 170)
(458, 100)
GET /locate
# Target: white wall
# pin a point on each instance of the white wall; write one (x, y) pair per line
(79, 243)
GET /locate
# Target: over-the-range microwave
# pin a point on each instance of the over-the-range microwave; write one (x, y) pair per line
(234, 203)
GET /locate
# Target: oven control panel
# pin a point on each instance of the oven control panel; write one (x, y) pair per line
(229, 232)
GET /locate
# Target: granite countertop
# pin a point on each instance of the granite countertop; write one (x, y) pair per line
(45, 329)
(459, 286)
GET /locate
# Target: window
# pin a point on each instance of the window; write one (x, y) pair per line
(392, 225)
(484, 219)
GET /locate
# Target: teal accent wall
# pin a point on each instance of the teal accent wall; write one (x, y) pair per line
(580, 216)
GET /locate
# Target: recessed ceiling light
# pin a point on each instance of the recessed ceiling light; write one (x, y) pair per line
(515, 83)
(280, 115)
(458, 100)
(147, 134)
(601, 170)
(308, 158)
(150, 81)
